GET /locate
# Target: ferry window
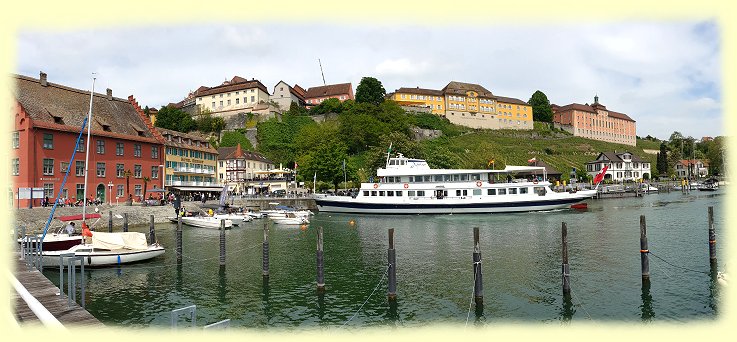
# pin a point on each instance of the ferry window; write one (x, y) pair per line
(428, 179)
(391, 162)
(465, 192)
(458, 192)
(381, 193)
(446, 178)
(390, 193)
(464, 177)
(418, 179)
(420, 193)
(522, 190)
(404, 162)
(502, 191)
(539, 190)
(512, 191)
(398, 193)
(477, 192)
(411, 179)
(475, 176)
(456, 177)
(365, 193)
(373, 193)
(438, 178)
(491, 192)
(411, 193)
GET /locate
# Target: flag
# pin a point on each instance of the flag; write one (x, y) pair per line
(534, 159)
(295, 165)
(491, 162)
(314, 179)
(390, 149)
(600, 176)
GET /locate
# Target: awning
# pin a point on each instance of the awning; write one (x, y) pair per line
(198, 188)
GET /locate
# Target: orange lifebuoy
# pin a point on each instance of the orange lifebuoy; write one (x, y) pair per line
(406, 185)
(376, 185)
(478, 183)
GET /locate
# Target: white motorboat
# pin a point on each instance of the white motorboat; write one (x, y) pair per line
(108, 249)
(237, 219)
(410, 186)
(205, 222)
(645, 187)
(290, 219)
(253, 214)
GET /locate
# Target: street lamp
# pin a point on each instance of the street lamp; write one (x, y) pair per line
(110, 186)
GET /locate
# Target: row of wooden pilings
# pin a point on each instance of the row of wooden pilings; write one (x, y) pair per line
(476, 257)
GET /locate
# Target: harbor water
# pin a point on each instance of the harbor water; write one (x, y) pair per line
(521, 270)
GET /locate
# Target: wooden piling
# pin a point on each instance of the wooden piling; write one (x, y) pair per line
(265, 257)
(222, 242)
(565, 269)
(320, 266)
(712, 237)
(478, 288)
(392, 261)
(110, 221)
(644, 262)
(125, 222)
(151, 231)
(179, 239)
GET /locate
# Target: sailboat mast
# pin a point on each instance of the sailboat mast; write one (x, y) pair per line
(87, 152)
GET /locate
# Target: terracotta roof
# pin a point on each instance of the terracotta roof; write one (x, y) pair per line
(616, 157)
(193, 137)
(299, 95)
(237, 83)
(328, 90)
(301, 91)
(226, 153)
(687, 162)
(511, 100)
(420, 91)
(590, 109)
(460, 88)
(56, 106)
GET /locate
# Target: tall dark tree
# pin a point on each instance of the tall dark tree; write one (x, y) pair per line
(540, 107)
(662, 160)
(174, 119)
(370, 90)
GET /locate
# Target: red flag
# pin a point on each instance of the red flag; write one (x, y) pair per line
(600, 176)
(534, 159)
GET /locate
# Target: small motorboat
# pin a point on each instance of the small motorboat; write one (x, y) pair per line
(205, 222)
(290, 219)
(237, 219)
(108, 249)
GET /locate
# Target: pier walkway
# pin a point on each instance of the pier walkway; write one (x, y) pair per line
(43, 290)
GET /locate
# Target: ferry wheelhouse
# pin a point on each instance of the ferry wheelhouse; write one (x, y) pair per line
(410, 186)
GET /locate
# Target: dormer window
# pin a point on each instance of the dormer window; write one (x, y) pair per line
(58, 120)
(140, 133)
(106, 128)
(168, 137)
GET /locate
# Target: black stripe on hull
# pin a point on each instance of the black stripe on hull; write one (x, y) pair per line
(418, 208)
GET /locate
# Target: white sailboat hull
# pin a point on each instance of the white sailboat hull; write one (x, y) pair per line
(96, 257)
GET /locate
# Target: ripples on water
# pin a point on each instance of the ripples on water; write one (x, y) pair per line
(521, 270)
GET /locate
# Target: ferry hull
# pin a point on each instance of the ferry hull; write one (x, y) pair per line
(353, 206)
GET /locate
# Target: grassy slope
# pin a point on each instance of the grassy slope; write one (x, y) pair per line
(509, 147)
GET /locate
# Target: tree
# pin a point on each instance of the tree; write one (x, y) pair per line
(662, 160)
(217, 124)
(174, 119)
(370, 90)
(331, 105)
(233, 138)
(540, 107)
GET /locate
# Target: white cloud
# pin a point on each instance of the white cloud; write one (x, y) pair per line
(402, 67)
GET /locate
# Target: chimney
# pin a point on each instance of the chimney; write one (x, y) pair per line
(109, 94)
(42, 78)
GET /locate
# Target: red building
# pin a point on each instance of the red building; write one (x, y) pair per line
(315, 95)
(124, 149)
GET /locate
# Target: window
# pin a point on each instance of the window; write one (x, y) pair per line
(138, 190)
(100, 169)
(213, 104)
(137, 171)
(119, 149)
(477, 192)
(48, 167)
(79, 168)
(16, 140)
(119, 171)
(365, 193)
(421, 193)
(253, 98)
(63, 166)
(491, 192)
(512, 191)
(154, 152)
(80, 191)
(15, 166)
(221, 103)
(523, 190)
(136, 150)
(100, 146)
(502, 191)
(228, 100)
(381, 193)
(154, 172)
(411, 193)
(49, 189)
(398, 193)
(373, 193)
(237, 100)
(48, 141)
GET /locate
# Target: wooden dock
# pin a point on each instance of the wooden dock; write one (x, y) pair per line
(45, 292)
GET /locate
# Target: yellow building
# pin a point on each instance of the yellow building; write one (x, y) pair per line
(191, 163)
(421, 98)
(513, 113)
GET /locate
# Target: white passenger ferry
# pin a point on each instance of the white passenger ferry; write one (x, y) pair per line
(410, 186)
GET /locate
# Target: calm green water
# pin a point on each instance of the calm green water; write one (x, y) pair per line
(521, 270)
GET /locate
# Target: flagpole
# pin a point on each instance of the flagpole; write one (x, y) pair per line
(345, 179)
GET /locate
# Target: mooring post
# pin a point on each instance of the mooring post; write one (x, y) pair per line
(712, 244)
(644, 262)
(478, 288)
(222, 242)
(110, 221)
(565, 269)
(125, 222)
(152, 231)
(265, 257)
(320, 266)
(179, 239)
(392, 261)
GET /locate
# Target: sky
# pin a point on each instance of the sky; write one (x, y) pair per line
(664, 74)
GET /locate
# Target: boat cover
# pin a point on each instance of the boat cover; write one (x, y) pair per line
(124, 240)
(79, 217)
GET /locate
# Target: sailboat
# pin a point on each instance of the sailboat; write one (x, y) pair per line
(104, 248)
